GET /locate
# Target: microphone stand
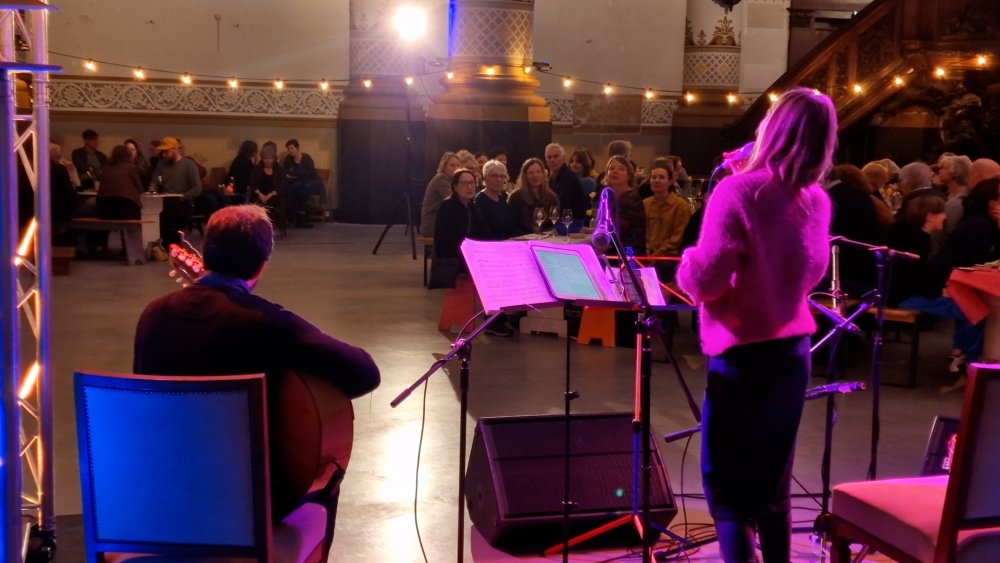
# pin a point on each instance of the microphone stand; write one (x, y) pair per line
(884, 257)
(462, 347)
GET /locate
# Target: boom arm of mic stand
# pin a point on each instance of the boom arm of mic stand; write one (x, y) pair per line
(456, 348)
(865, 305)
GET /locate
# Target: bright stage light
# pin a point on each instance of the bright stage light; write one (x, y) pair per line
(410, 22)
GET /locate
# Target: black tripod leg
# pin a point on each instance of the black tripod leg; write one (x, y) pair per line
(392, 219)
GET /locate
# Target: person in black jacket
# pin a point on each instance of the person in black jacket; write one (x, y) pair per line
(975, 240)
(216, 326)
(88, 160)
(240, 171)
(854, 217)
(566, 183)
(458, 218)
(492, 202)
(924, 216)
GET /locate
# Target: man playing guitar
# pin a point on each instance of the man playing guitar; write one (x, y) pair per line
(215, 326)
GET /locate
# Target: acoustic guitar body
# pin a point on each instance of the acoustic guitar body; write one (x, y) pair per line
(312, 434)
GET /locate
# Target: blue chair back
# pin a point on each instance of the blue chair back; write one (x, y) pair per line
(174, 465)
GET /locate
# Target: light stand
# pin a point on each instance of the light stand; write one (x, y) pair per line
(463, 349)
(405, 200)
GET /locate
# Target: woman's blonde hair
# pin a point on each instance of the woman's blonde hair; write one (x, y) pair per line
(628, 168)
(796, 140)
(522, 182)
(445, 158)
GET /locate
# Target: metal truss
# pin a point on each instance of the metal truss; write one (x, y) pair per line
(28, 524)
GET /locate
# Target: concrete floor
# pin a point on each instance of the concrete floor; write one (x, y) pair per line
(329, 276)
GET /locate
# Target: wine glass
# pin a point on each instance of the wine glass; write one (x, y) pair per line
(540, 217)
(567, 219)
(554, 217)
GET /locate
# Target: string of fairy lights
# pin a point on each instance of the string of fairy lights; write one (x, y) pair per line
(234, 82)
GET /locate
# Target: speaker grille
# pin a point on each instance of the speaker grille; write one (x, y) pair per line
(529, 456)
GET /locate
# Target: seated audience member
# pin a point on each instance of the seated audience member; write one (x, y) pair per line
(498, 154)
(953, 175)
(627, 210)
(458, 218)
(480, 160)
(915, 181)
(216, 326)
(854, 218)
(119, 195)
(913, 234)
(681, 178)
(240, 170)
(267, 183)
(532, 191)
(139, 160)
(981, 169)
(437, 191)
(492, 202)
(303, 181)
(617, 148)
(566, 183)
(975, 240)
(468, 161)
(64, 201)
(88, 161)
(582, 165)
(667, 217)
(176, 175)
(877, 176)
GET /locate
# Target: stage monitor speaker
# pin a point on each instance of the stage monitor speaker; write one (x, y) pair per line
(514, 482)
(936, 458)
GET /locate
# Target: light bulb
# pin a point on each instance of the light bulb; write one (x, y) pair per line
(490, 70)
(816, 91)
(527, 70)
(324, 85)
(450, 75)
(898, 81)
(731, 99)
(689, 98)
(981, 60)
(279, 84)
(773, 97)
(857, 89)
(567, 82)
(367, 83)
(409, 80)
(649, 94)
(410, 22)
(90, 65)
(186, 79)
(939, 72)
(233, 83)
(607, 88)
(139, 73)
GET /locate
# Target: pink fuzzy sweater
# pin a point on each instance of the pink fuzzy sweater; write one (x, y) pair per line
(762, 248)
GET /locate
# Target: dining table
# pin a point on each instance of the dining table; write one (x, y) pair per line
(152, 205)
(976, 291)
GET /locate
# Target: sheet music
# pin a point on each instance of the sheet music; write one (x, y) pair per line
(506, 275)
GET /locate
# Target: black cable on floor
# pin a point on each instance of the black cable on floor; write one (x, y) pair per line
(416, 484)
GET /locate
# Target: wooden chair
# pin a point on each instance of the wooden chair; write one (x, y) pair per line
(178, 467)
(941, 519)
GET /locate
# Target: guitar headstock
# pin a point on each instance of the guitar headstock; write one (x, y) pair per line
(187, 265)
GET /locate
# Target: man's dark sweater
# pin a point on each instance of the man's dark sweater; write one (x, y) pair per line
(217, 327)
(497, 224)
(854, 218)
(567, 186)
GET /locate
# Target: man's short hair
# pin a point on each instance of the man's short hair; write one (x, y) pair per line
(238, 241)
(916, 175)
(491, 165)
(619, 148)
(292, 143)
(562, 151)
(90, 134)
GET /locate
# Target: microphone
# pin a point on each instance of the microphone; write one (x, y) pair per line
(603, 227)
(737, 159)
(824, 390)
(836, 318)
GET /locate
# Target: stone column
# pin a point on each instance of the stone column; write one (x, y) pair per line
(376, 118)
(711, 75)
(490, 99)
